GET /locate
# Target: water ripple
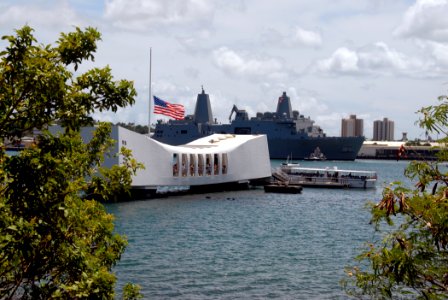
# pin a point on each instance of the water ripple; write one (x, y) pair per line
(245, 245)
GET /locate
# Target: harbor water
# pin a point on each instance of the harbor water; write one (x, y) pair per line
(249, 244)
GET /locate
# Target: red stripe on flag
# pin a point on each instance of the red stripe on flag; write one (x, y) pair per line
(175, 111)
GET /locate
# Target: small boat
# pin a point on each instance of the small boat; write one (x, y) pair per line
(328, 177)
(316, 155)
(290, 161)
(283, 188)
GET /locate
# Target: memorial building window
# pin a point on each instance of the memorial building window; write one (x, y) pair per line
(200, 164)
(175, 164)
(192, 165)
(184, 164)
(216, 164)
(224, 163)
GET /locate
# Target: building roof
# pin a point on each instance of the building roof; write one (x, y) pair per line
(220, 142)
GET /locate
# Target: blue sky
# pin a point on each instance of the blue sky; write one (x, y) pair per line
(372, 58)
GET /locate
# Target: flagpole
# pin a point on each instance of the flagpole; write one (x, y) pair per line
(150, 91)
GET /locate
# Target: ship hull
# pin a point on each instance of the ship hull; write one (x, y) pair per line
(334, 148)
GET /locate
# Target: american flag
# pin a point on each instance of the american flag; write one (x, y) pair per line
(175, 111)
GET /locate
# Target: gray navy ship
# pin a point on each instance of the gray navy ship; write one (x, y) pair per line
(290, 135)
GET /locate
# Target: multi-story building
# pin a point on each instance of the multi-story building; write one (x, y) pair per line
(352, 127)
(383, 130)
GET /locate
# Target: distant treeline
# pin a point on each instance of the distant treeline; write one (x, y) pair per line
(417, 143)
(137, 128)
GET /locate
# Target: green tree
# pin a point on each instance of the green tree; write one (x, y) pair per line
(412, 259)
(136, 128)
(55, 240)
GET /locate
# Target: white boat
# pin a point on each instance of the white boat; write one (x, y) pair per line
(328, 177)
(203, 163)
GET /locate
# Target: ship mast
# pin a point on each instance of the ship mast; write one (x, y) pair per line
(150, 91)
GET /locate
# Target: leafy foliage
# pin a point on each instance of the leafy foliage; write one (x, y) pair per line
(132, 292)
(56, 241)
(143, 129)
(412, 259)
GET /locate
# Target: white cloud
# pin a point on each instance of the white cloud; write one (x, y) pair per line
(307, 38)
(380, 57)
(306, 102)
(59, 14)
(267, 45)
(439, 52)
(427, 20)
(197, 43)
(237, 64)
(294, 37)
(343, 60)
(377, 59)
(145, 14)
(271, 36)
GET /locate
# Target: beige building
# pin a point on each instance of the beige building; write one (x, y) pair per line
(391, 150)
(352, 127)
(383, 130)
